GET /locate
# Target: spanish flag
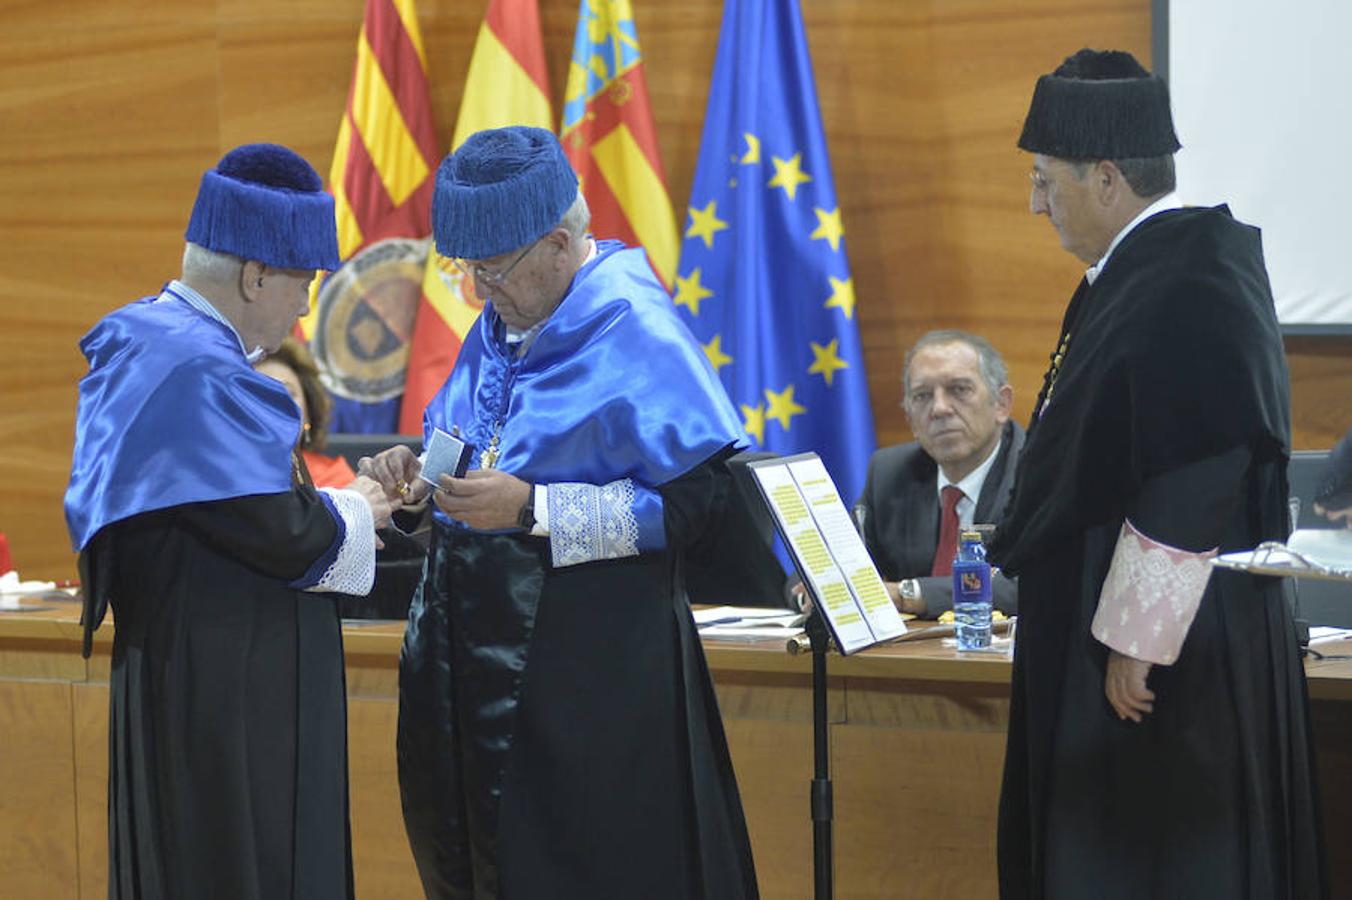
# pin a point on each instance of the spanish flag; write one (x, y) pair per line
(382, 175)
(609, 136)
(507, 84)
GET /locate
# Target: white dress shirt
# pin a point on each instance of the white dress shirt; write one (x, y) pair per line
(970, 487)
(1164, 204)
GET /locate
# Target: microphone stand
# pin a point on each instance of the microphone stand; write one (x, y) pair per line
(821, 802)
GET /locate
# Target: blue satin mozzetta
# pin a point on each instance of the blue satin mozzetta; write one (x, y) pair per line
(650, 515)
(613, 386)
(171, 413)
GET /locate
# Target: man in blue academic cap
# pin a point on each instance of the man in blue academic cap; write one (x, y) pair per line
(197, 522)
(558, 732)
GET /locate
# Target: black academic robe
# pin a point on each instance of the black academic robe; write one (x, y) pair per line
(559, 738)
(227, 744)
(1171, 410)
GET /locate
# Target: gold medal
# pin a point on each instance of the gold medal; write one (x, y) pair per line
(489, 458)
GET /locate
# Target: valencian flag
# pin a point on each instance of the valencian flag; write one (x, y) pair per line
(609, 137)
(507, 84)
(383, 170)
(764, 282)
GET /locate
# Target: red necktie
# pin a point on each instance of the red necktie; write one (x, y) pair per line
(948, 531)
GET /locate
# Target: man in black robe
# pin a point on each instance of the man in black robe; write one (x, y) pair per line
(198, 524)
(559, 738)
(1159, 740)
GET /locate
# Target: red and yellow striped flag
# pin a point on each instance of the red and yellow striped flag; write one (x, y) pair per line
(507, 84)
(609, 136)
(382, 175)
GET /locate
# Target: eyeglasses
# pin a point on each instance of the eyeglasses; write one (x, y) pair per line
(489, 277)
(1040, 181)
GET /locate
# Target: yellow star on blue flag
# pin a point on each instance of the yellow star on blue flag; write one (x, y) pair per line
(826, 360)
(705, 223)
(773, 300)
(789, 174)
(714, 351)
(828, 227)
(689, 292)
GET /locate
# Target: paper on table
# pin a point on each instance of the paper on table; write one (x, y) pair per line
(752, 633)
(1329, 547)
(12, 589)
(758, 614)
(1309, 553)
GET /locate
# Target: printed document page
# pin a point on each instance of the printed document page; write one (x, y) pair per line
(847, 548)
(832, 558)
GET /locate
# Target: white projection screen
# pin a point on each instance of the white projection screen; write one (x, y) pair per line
(1262, 95)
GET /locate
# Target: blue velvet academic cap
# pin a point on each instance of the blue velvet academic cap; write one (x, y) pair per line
(264, 202)
(502, 189)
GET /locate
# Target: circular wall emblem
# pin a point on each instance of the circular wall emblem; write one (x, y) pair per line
(365, 320)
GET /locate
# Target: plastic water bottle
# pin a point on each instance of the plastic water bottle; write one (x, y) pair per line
(972, 593)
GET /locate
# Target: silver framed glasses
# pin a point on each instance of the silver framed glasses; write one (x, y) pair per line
(489, 277)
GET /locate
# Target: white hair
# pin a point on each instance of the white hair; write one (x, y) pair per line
(992, 365)
(577, 218)
(203, 265)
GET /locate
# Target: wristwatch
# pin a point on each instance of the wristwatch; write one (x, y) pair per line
(526, 518)
(909, 589)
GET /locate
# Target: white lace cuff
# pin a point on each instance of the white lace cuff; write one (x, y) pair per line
(588, 522)
(353, 570)
(1150, 597)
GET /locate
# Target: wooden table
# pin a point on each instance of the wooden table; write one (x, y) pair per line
(917, 743)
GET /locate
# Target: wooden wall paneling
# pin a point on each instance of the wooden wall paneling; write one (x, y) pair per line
(768, 721)
(91, 787)
(105, 126)
(923, 103)
(37, 790)
(1321, 390)
(917, 750)
(938, 754)
(50, 23)
(1333, 730)
(773, 762)
(371, 676)
(288, 84)
(41, 658)
(120, 105)
(382, 861)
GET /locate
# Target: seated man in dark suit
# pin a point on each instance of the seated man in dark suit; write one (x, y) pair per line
(919, 496)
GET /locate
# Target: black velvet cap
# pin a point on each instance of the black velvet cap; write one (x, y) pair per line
(1100, 104)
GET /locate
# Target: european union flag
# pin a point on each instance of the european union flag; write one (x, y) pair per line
(763, 281)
